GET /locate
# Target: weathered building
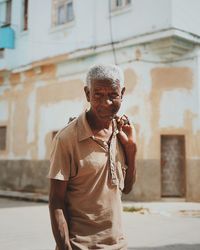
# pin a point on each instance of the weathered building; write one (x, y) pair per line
(46, 48)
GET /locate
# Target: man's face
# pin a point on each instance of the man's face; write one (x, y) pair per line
(105, 98)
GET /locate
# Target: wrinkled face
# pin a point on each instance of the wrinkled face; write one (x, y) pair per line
(105, 98)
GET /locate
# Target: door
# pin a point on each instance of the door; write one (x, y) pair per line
(173, 165)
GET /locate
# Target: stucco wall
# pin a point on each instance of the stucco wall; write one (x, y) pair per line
(24, 175)
(160, 99)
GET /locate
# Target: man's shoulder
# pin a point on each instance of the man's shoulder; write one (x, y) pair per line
(69, 132)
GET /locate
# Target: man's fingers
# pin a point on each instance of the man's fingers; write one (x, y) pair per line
(123, 120)
(126, 120)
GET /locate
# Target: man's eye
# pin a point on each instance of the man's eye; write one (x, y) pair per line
(114, 96)
(97, 95)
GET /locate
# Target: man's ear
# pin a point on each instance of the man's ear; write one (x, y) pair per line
(87, 93)
(122, 92)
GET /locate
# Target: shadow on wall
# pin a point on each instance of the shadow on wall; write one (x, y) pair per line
(169, 247)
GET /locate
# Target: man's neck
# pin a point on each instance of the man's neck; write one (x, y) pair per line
(97, 124)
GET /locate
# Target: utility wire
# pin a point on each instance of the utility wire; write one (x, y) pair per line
(111, 32)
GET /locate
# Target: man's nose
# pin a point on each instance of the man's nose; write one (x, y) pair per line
(106, 101)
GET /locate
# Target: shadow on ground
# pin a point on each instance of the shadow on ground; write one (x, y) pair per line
(169, 247)
(8, 203)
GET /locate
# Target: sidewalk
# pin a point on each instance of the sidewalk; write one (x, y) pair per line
(166, 208)
(160, 207)
(155, 225)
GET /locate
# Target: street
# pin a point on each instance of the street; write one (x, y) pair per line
(26, 226)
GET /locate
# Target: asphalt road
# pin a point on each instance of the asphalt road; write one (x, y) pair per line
(26, 226)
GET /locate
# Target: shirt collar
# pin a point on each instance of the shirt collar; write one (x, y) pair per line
(84, 130)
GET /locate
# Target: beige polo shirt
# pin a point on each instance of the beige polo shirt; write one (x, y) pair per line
(94, 171)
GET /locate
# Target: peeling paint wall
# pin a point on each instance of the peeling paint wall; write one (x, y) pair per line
(36, 104)
(162, 97)
(159, 99)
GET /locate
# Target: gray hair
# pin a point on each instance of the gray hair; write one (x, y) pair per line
(101, 72)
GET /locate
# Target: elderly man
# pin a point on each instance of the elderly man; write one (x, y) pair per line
(92, 162)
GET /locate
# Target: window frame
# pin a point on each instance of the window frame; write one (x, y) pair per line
(2, 53)
(67, 18)
(7, 12)
(25, 14)
(124, 4)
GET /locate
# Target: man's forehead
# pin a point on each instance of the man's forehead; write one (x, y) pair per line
(107, 82)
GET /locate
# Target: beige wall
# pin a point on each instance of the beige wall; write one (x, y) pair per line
(41, 100)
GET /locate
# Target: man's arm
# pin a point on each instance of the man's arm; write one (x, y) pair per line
(58, 213)
(130, 176)
(127, 138)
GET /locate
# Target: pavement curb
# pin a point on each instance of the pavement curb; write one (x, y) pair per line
(164, 208)
(27, 196)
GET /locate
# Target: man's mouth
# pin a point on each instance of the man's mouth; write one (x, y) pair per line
(107, 115)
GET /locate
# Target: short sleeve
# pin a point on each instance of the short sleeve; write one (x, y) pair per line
(59, 161)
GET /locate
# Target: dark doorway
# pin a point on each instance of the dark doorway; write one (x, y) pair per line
(172, 165)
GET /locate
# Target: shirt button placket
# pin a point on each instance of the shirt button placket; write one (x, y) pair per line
(112, 162)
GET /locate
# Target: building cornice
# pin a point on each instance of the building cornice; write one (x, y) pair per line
(168, 43)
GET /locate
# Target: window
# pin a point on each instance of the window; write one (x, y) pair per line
(3, 137)
(63, 12)
(1, 53)
(25, 15)
(5, 12)
(118, 4)
(8, 12)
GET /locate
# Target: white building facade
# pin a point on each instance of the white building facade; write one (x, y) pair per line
(46, 48)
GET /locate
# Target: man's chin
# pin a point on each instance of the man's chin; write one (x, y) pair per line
(107, 117)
